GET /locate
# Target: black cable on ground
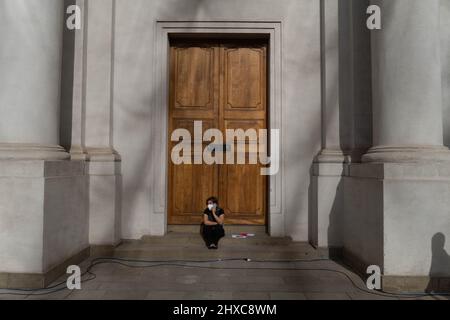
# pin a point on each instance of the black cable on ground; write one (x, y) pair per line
(374, 292)
(182, 263)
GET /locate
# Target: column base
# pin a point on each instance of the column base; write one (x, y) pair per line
(102, 154)
(333, 156)
(406, 154)
(25, 151)
(44, 279)
(105, 201)
(44, 214)
(326, 197)
(78, 152)
(398, 284)
(396, 217)
(327, 204)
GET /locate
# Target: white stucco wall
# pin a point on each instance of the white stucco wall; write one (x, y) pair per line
(132, 98)
(133, 92)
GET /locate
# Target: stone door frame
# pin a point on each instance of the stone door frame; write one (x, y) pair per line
(160, 114)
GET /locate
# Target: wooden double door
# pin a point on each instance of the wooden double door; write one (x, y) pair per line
(224, 85)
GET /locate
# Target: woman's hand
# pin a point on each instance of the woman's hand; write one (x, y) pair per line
(207, 222)
(219, 220)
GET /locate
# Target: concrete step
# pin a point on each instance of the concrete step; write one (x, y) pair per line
(183, 244)
(228, 228)
(213, 255)
(177, 239)
(298, 247)
(202, 253)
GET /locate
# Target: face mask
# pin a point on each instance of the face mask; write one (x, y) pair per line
(210, 206)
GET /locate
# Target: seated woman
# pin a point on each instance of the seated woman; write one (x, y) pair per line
(212, 225)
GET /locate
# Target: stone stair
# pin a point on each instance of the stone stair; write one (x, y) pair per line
(185, 243)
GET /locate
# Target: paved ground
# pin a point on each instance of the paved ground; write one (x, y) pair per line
(319, 278)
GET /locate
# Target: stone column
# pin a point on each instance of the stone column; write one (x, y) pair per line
(396, 203)
(330, 163)
(30, 60)
(407, 92)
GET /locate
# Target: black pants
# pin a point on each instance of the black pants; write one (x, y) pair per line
(212, 234)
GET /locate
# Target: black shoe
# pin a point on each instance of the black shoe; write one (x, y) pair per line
(211, 246)
(215, 246)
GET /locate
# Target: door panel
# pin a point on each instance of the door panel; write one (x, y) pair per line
(194, 82)
(244, 73)
(242, 189)
(194, 78)
(190, 201)
(222, 84)
(243, 203)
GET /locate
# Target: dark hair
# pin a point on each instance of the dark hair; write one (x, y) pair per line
(213, 199)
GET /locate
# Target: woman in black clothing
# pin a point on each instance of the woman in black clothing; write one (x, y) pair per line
(212, 226)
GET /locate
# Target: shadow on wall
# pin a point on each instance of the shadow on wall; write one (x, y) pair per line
(134, 107)
(67, 84)
(326, 218)
(440, 265)
(335, 227)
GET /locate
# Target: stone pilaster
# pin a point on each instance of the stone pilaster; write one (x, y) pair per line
(102, 160)
(331, 143)
(329, 165)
